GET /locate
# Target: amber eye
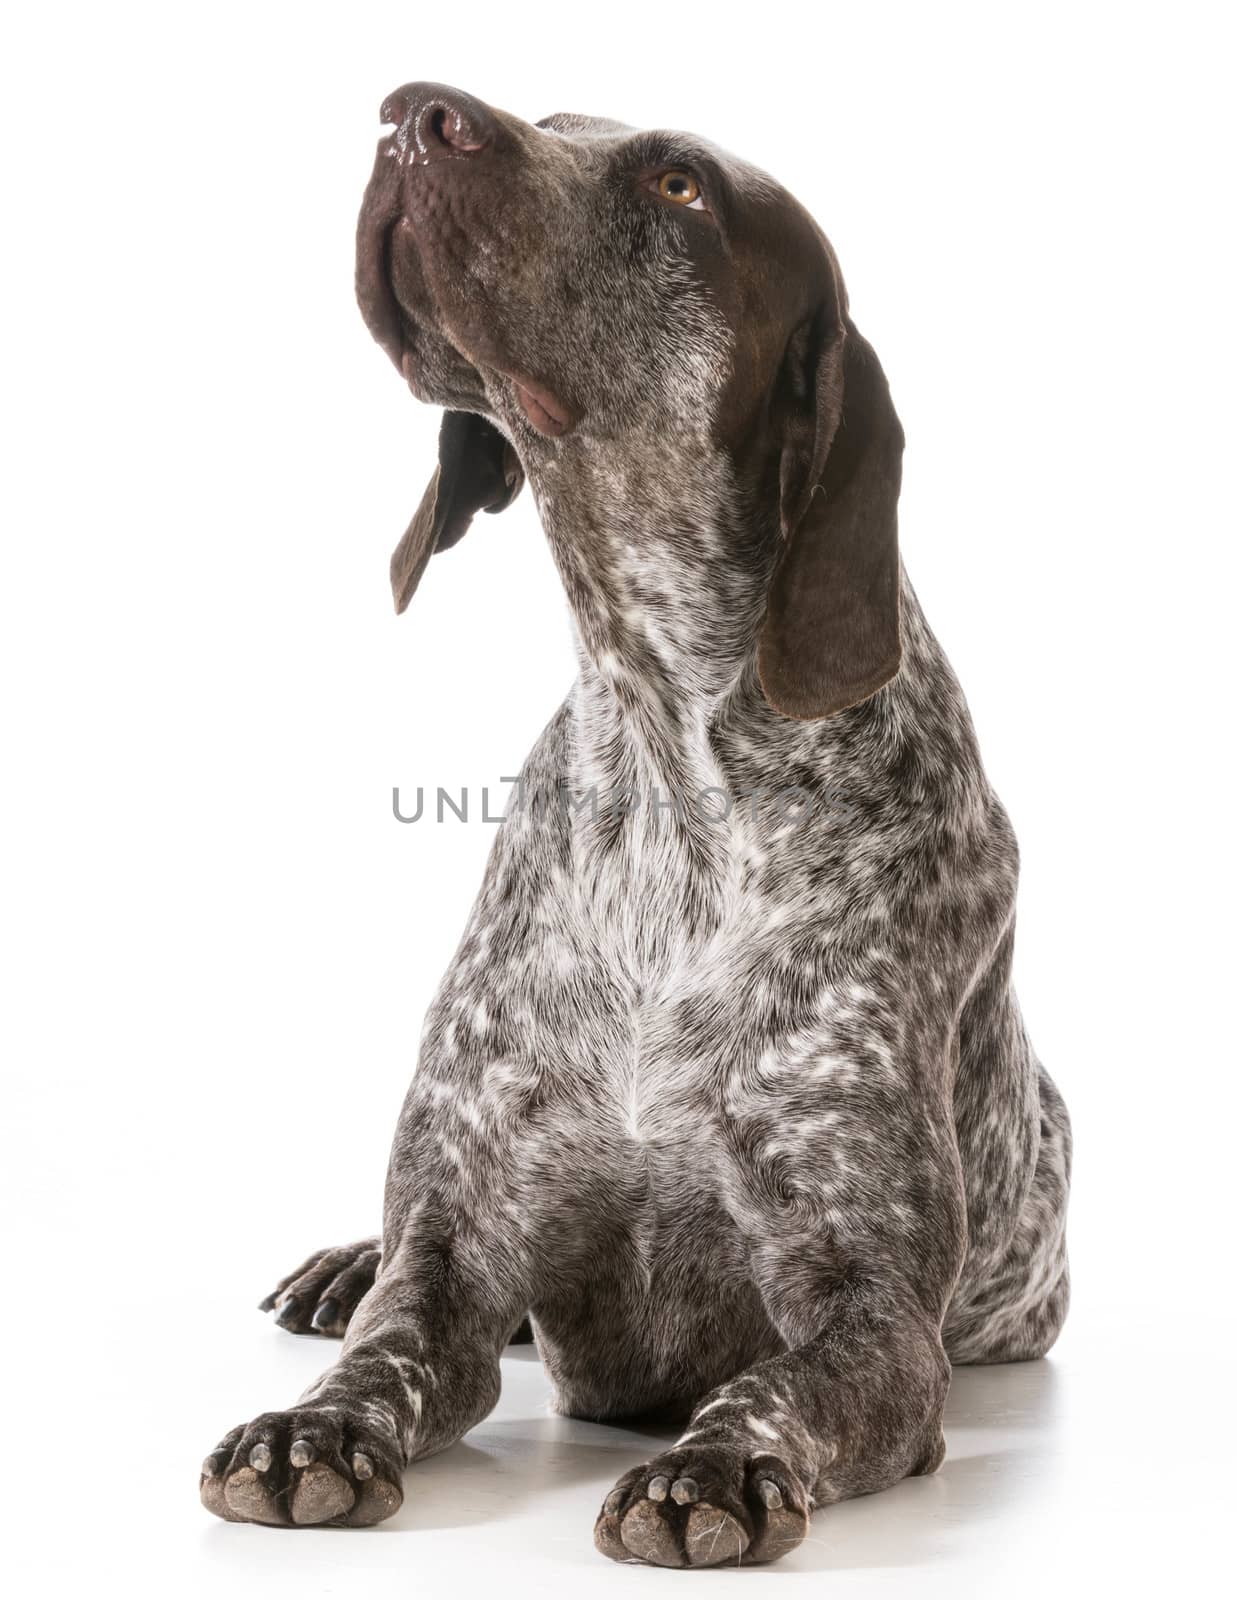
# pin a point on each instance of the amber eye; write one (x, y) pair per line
(681, 187)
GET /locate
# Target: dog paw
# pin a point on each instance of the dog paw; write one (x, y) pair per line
(300, 1468)
(704, 1507)
(323, 1292)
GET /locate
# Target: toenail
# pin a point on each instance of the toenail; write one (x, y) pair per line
(614, 1502)
(659, 1488)
(287, 1312)
(326, 1314)
(362, 1466)
(685, 1491)
(301, 1453)
(208, 1467)
(260, 1457)
(770, 1494)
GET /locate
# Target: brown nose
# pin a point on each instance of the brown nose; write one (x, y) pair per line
(434, 122)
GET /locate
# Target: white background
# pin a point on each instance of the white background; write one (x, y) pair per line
(219, 943)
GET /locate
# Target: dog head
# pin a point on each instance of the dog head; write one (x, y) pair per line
(567, 286)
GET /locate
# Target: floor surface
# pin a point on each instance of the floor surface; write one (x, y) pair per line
(1091, 1467)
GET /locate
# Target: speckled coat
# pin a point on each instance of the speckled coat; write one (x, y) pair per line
(726, 1084)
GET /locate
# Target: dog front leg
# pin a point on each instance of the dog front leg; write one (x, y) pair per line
(858, 1289)
(419, 1367)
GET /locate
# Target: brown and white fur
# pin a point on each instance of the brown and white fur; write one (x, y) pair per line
(728, 1092)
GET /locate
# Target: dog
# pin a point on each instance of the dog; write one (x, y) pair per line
(728, 1091)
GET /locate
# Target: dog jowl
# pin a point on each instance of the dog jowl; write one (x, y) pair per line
(740, 1113)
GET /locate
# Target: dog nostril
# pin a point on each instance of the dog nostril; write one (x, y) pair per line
(434, 123)
(452, 129)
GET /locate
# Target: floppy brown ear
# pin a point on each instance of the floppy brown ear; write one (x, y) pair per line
(477, 471)
(831, 635)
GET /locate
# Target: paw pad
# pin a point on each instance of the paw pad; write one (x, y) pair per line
(320, 1496)
(704, 1507)
(713, 1538)
(305, 1468)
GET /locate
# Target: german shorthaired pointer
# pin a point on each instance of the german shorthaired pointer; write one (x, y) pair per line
(726, 1086)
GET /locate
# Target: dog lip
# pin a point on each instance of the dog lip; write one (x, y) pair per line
(383, 216)
(377, 299)
(542, 407)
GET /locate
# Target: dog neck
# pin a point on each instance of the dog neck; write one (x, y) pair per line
(666, 576)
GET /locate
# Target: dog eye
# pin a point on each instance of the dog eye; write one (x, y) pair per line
(681, 187)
